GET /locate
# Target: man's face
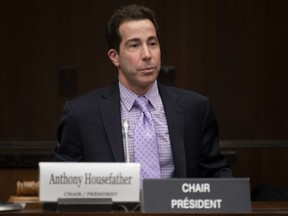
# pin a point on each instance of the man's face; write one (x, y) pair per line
(139, 58)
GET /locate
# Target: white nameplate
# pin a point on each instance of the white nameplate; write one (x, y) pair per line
(119, 181)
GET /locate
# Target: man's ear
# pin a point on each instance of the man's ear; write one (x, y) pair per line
(113, 55)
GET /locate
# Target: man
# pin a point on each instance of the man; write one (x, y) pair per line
(186, 130)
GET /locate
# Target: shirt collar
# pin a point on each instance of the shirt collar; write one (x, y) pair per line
(128, 97)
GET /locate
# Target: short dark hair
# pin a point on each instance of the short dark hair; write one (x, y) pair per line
(126, 13)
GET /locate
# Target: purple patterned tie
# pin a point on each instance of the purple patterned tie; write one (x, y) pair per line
(145, 142)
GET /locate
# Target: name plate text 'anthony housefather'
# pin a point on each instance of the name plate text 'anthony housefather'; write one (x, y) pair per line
(118, 181)
(197, 195)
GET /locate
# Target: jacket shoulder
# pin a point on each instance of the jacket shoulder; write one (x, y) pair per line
(183, 96)
(94, 96)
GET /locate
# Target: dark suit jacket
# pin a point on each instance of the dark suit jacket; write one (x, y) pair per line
(90, 130)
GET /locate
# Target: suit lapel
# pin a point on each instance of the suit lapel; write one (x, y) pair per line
(175, 118)
(110, 112)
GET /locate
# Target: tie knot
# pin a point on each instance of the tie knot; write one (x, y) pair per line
(142, 103)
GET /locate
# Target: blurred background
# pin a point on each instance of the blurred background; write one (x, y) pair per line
(233, 51)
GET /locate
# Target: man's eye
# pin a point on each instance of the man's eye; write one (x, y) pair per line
(133, 45)
(153, 44)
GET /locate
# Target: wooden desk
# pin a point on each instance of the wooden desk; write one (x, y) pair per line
(270, 207)
(258, 208)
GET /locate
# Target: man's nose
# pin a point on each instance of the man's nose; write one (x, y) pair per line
(146, 52)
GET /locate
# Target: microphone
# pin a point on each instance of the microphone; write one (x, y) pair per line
(126, 126)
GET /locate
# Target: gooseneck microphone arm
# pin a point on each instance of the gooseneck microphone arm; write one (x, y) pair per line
(126, 126)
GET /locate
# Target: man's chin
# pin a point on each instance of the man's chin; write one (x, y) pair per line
(147, 82)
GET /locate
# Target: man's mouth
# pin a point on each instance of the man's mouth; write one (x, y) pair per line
(148, 69)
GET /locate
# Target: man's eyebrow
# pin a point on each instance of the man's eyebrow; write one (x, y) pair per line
(132, 40)
(138, 39)
(153, 38)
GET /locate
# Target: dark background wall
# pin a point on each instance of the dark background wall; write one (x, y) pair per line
(233, 51)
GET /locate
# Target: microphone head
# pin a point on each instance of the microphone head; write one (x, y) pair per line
(125, 124)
